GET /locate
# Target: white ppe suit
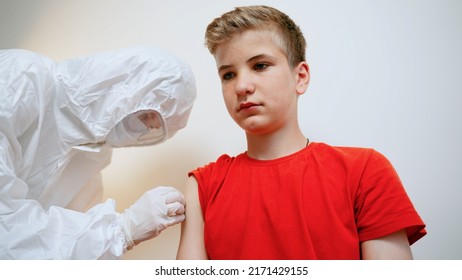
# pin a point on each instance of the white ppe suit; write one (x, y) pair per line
(54, 122)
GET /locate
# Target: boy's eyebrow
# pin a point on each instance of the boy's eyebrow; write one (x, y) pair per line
(256, 57)
(260, 56)
(223, 67)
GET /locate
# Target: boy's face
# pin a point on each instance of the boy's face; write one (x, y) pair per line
(259, 87)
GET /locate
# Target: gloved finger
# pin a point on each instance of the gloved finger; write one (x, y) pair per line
(173, 220)
(174, 196)
(175, 208)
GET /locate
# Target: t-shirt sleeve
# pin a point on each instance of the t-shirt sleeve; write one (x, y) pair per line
(209, 177)
(382, 205)
(201, 174)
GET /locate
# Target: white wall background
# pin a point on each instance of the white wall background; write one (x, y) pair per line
(385, 74)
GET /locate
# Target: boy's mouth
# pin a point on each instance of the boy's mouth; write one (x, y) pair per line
(246, 105)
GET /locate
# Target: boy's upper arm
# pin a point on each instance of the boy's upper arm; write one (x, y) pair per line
(391, 247)
(192, 229)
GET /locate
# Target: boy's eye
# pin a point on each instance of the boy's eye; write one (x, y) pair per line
(260, 66)
(228, 76)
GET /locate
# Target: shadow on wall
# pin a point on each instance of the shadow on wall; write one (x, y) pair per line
(13, 30)
(134, 171)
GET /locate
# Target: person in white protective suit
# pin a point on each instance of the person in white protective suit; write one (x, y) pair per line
(58, 125)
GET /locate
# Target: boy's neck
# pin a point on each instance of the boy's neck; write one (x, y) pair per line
(267, 147)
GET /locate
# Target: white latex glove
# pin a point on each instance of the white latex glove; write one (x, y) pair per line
(154, 211)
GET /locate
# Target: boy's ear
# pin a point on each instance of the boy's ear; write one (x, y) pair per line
(302, 70)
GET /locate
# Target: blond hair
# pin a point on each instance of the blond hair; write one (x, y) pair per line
(288, 36)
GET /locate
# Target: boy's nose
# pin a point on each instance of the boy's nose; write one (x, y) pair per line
(244, 86)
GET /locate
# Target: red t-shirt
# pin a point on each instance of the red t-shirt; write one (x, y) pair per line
(318, 203)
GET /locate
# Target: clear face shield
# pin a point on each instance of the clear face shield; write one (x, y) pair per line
(144, 127)
(147, 123)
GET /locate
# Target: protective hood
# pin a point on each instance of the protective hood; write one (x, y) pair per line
(100, 90)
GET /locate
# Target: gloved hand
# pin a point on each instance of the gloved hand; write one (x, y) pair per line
(154, 211)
